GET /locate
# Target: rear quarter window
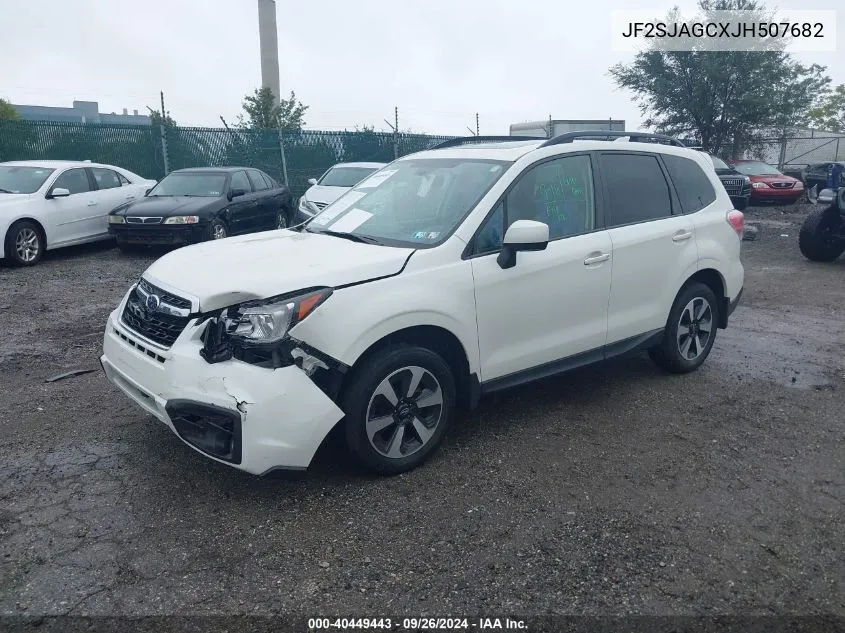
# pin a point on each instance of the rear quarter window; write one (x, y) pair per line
(694, 189)
(637, 190)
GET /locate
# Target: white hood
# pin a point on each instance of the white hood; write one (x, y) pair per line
(325, 195)
(260, 265)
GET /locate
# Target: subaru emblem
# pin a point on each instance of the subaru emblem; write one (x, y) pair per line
(152, 303)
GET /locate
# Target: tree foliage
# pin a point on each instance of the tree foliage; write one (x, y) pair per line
(263, 112)
(830, 114)
(156, 120)
(726, 98)
(7, 112)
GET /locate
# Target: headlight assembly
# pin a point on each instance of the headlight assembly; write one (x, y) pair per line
(117, 219)
(182, 219)
(268, 321)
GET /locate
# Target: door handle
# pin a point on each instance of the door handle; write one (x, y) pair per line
(92, 203)
(680, 236)
(596, 259)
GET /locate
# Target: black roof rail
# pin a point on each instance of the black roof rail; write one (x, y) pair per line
(606, 135)
(469, 140)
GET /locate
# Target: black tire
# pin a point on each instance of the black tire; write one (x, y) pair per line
(216, 230)
(31, 248)
(741, 204)
(668, 355)
(284, 218)
(361, 393)
(817, 238)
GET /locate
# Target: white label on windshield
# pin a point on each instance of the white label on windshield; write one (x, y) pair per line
(338, 207)
(376, 179)
(351, 221)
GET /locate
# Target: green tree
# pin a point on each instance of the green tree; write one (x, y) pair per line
(725, 98)
(156, 120)
(830, 114)
(7, 112)
(263, 112)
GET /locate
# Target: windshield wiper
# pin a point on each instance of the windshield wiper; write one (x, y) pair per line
(364, 239)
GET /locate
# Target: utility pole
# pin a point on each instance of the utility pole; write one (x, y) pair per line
(164, 136)
(395, 127)
(551, 127)
(471, 131)
(477, 129)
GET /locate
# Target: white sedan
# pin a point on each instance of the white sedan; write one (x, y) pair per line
(332, 185)
(50, 204)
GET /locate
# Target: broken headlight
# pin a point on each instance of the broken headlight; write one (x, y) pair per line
(268, 321)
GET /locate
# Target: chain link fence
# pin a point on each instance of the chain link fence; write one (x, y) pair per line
(291, 157)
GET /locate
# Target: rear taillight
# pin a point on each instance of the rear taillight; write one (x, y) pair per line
(737, 221)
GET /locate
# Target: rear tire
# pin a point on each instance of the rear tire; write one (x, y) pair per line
(690, 330)
(817, 238)
(398, 406)
(24, 244)
(284, 218)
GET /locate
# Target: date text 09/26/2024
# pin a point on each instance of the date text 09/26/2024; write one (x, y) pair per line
(415, 624)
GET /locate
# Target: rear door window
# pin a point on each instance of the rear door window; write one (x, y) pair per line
(637, 190)
(240, 181)
(691, 184)
(258, 183)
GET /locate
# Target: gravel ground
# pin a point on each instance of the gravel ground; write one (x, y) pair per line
(613, 490)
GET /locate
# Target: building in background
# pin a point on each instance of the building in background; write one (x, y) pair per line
(553, 127)
(81, 112)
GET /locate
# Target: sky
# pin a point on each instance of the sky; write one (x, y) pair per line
(351, 61)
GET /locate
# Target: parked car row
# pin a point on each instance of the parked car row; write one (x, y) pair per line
(51, 204)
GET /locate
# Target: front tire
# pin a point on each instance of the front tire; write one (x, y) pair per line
(24, 244)
(690, 330)
(284, 218)
(398, 406)
(817, 238)
(217, 230)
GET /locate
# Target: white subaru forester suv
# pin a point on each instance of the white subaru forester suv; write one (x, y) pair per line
(449, 274)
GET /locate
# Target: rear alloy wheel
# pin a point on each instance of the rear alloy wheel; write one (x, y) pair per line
(690, 330)
(398, 407)
(24, 244)
(818, 239)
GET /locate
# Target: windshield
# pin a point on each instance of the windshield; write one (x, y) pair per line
(22, 179)
(413, 202)
(345, 176)
(718, 163)
(205, 185)
(757, 169)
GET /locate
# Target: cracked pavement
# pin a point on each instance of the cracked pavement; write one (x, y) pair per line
(612, 490)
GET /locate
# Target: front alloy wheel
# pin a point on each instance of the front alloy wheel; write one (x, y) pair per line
(404, 412)
(398, 405)
(24, 244)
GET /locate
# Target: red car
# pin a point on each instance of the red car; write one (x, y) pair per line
(767, 183)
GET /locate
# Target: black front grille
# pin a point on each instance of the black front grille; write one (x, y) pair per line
(321, 205)
(156, 326)
(134, 220)
(213, 430)
(733, 186)
(166, 297)
(783, 185)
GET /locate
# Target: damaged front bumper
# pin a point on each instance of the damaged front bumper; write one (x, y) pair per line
(253, 418)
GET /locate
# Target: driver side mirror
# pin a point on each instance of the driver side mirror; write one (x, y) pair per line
(522, 235)
(236, 193)
(147, 192)
(312, 181)
(59, 192)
